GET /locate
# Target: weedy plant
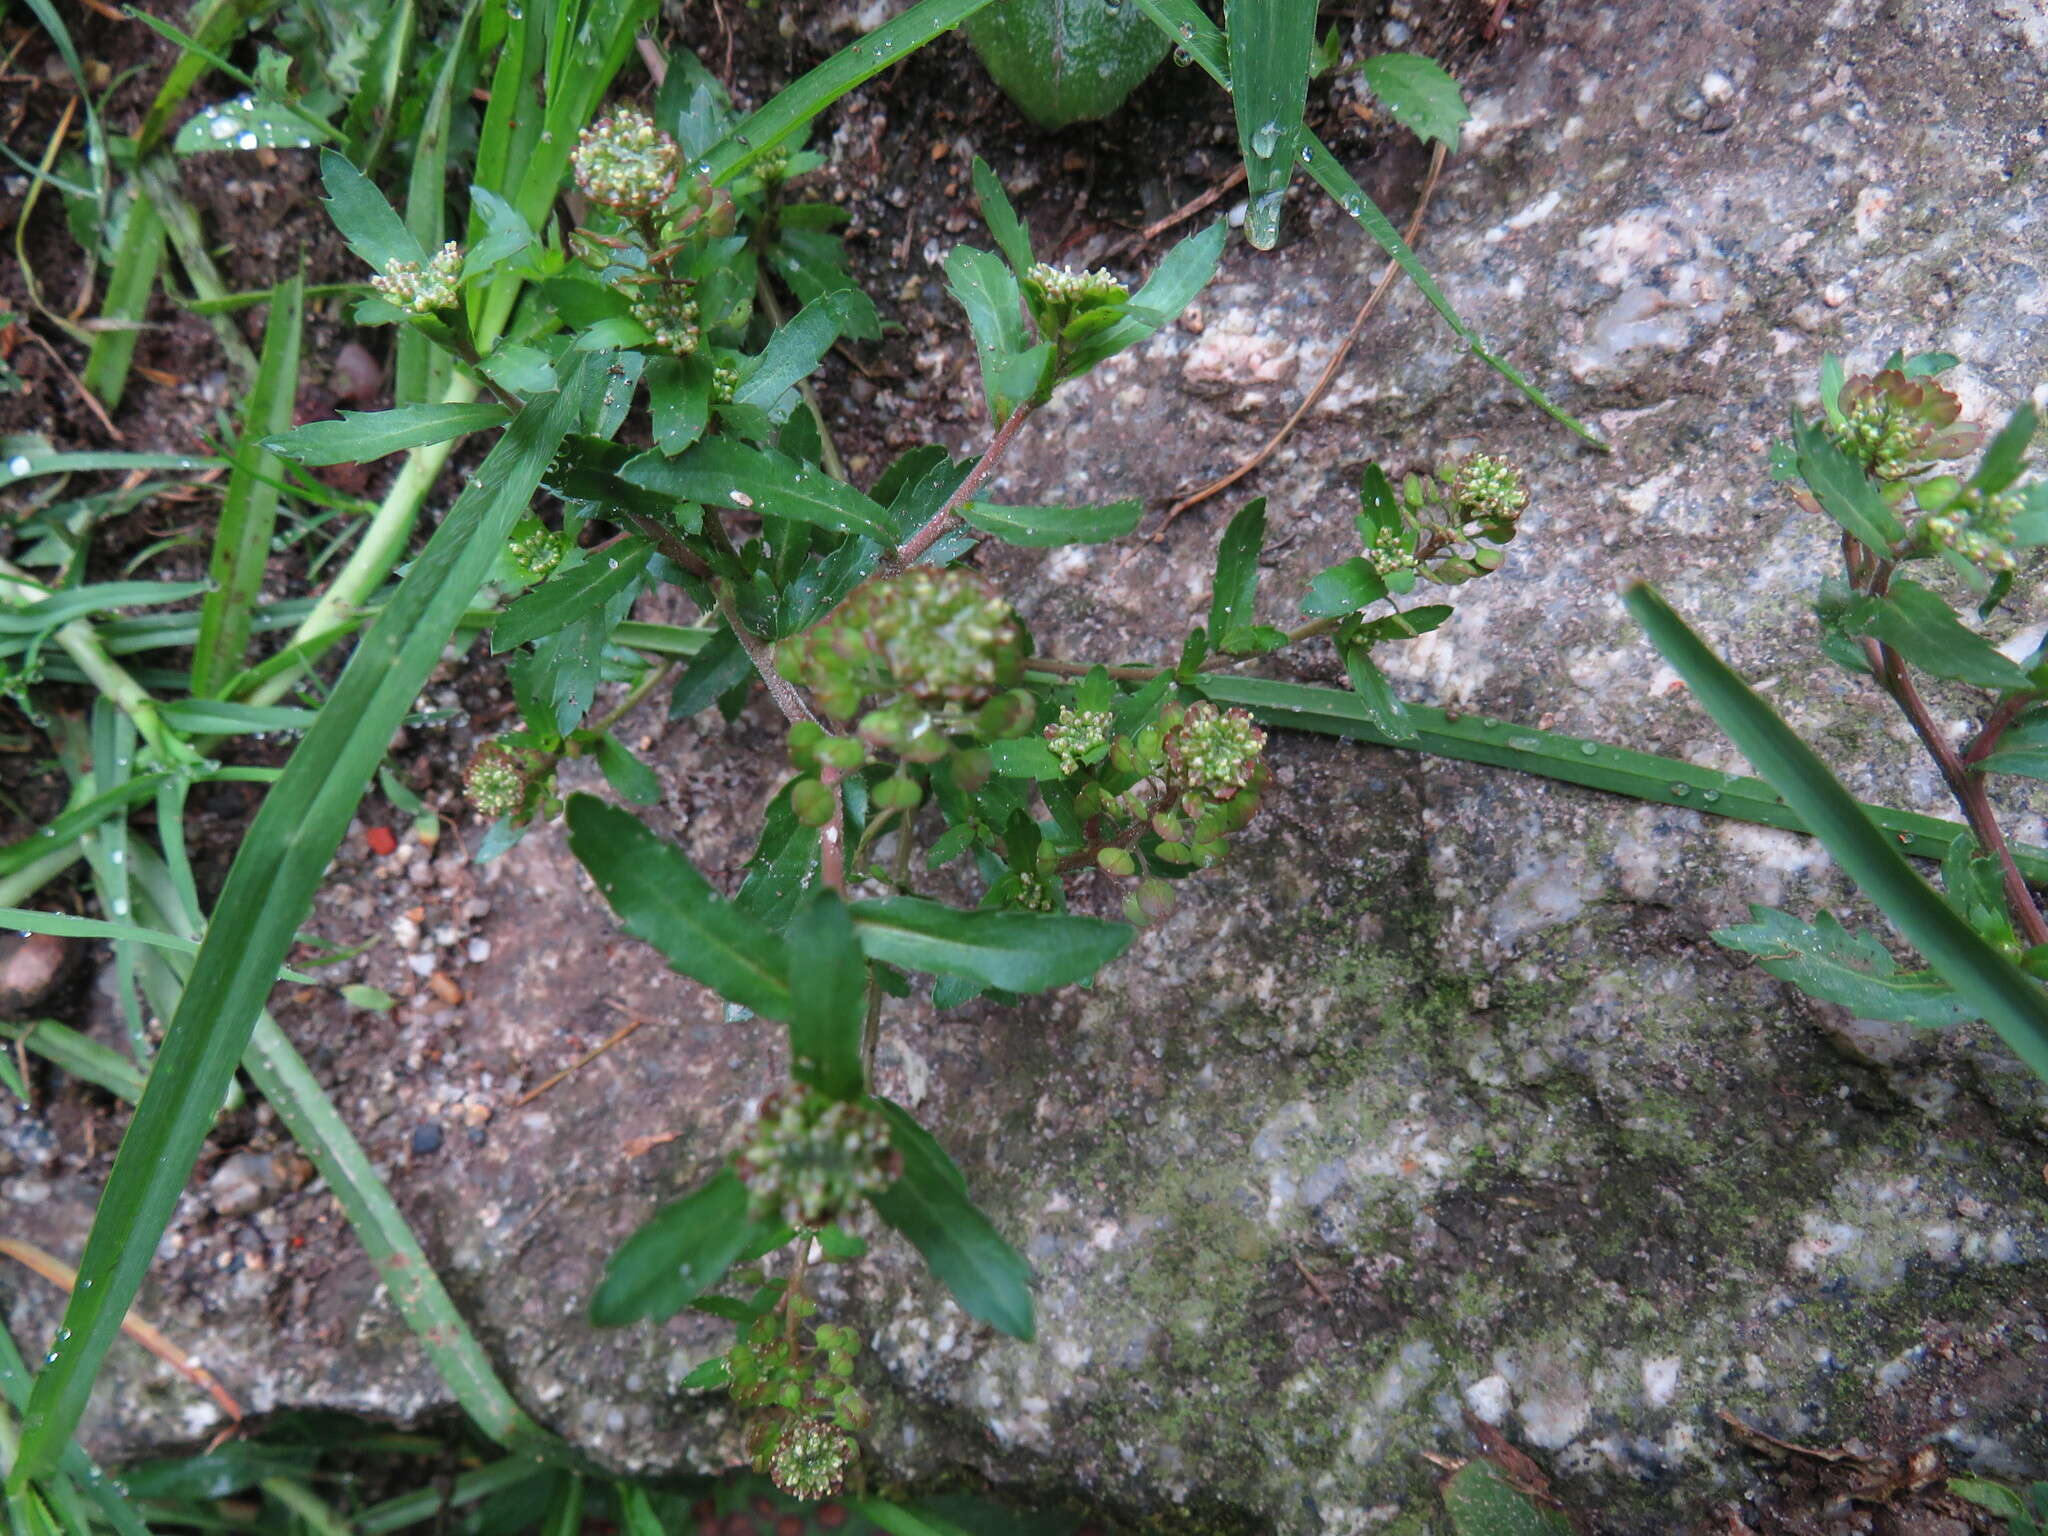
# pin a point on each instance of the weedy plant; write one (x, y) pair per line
(957, 808)
(1919, 543)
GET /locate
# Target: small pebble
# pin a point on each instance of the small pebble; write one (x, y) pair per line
(426, 1139)
(445, 988)
(479, 951)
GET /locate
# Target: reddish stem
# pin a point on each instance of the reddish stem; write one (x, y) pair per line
(946, 519)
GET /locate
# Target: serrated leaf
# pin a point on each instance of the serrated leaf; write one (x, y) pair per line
(1418, 95)
(362, 436)
(1011, 238)
(1017, 951)
(365, 220)
(1044, 527)
(797, 347)
(1914, 621)
(988, 291)
(1481, 1502)
(660, 897)
(569, 595)
(930, 1206)
(1825, 960)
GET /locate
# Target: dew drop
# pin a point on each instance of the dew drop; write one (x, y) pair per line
(1711, 796)
(1308, 155)
(19, 464)
(1182, 57)
(225, 127)
(246, 141)
(1680, 791)
(1525, 743)
(1354, 206)
(1264, 138)
(1589, 748)
(1262, 221)
(611, 565)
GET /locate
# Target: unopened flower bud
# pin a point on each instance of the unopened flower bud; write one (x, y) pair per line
(423, 289)
(625, 162)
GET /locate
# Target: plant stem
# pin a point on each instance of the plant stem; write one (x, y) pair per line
(655, 677)
(81, 643)
(1967, 787)
(794, 1289)
(946, 519)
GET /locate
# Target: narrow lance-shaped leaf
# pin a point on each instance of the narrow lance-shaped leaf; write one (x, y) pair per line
(1010, 235)
(1914, 621)
(361, 436)
(1236, 589)
(988, 291)
(828, 994)
(660, 898)
(735, 477)
(1043, 527)
(2005, 995)
(268, 893)
(373, 231)
(929, 1205)
(1017, 951)
(679, 1253)
(794, 350)
(568, 596)
(1825, 960)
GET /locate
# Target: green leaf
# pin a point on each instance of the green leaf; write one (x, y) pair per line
(720, 666)
(660, 898)
(1017, 951)
(362, 436)
(1418, 95)
(1844, 492)
(2002, 1501)
(797, 347)
(1170, 289)
(731, 475)
(632, 779)
(679, 1253)
(2006, 456)
(1272, 43)
(1025, 757)
(1010, 234)
(247, 122)
(828, 995)
(1914, 621)
(248, 510)
(61, 608)
(569, 595)
(1064, 61)
(678, 400)
(373, 231)
(1381, 703)
(1236, 588)
(1483, 1503)
(988, 291)
(1042, 527)
(1825, 960)
(792, 109)
(930, 1206)
(269, 890)
(1344, 588)
(1987, 981)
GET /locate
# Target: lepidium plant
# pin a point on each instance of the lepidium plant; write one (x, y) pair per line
(926, 741)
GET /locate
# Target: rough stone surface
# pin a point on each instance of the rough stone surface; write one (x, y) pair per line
(1437, 1100)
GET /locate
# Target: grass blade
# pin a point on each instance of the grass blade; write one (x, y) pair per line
(2014, 1004)
(804, 98)
(248, 513)
(1574, 760)
(1270, 43)
(268, 893)
(136, 262)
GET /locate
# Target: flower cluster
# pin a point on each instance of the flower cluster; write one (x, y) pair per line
(811, 1458)
(802, 1406)
(494, 782)
(811, 1155)
(422, 290)
(667, 312)
(1387, 552)
(1487, 490)
(1063, 285)
(1895, 427)
(1077, 733)
(1215, 752)
(537, 550)
(725, 383)
(936, 638)
(1978, 525)
(626, 163)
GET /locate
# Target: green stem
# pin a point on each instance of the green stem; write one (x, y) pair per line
(81, 643)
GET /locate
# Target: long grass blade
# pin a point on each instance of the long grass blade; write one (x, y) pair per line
(137, 259)
(1574, 760)
(269, 890)
(1270, 42)
(2013, 1002)
(248, 512)
(804, 98)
